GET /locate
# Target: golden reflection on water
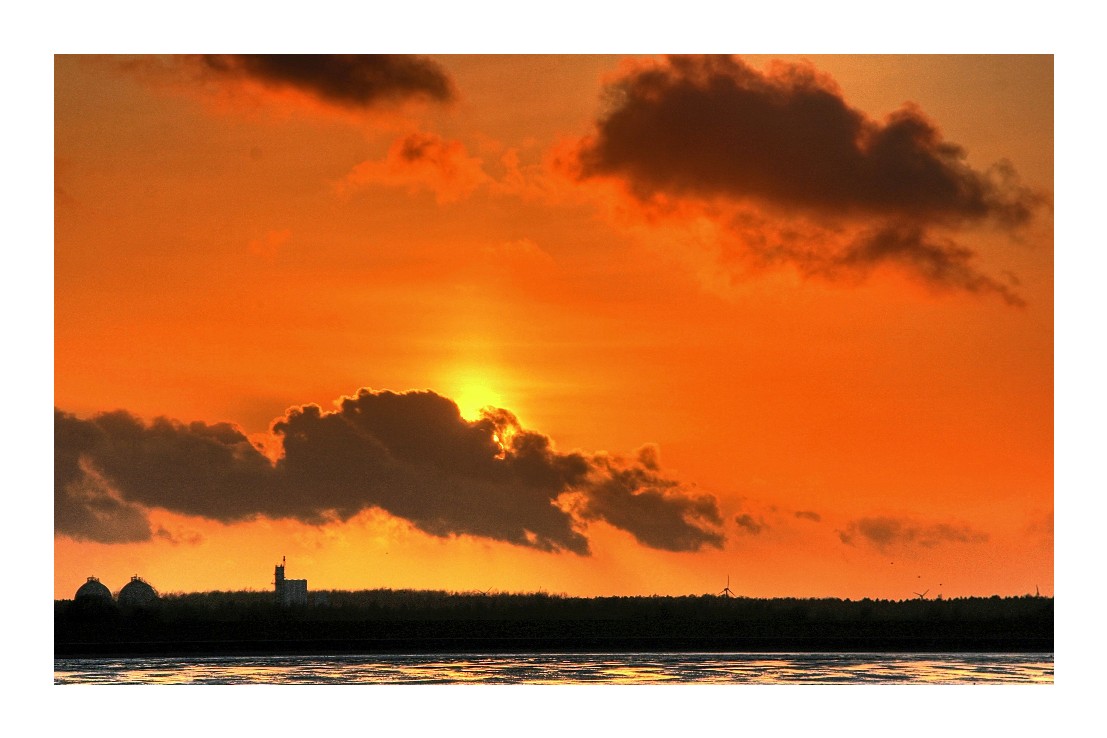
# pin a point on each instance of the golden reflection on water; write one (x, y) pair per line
(737, 668)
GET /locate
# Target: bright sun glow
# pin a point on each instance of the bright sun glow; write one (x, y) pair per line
(473, 390)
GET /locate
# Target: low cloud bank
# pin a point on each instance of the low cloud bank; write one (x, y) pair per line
(410, 454)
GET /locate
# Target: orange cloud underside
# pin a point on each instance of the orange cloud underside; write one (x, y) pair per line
(206, 268)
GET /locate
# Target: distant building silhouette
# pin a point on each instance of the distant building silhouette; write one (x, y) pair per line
(289, 591)
(93, 590)
(137, 593)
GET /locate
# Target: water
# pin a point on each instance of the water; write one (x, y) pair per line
(634, 668)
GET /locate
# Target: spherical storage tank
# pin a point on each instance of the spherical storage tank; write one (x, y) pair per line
(93, 590)
(137, 593)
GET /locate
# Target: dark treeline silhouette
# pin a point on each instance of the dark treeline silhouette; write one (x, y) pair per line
(384, 621)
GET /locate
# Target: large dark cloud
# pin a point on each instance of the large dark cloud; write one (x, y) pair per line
(885, 533)
(348, 80)
(410, 454)
(715, 128)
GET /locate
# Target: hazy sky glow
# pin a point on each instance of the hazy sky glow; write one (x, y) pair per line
(588, 324)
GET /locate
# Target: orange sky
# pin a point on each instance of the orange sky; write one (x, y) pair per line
(835, 327)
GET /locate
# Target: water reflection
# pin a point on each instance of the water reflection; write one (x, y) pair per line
(691, 668)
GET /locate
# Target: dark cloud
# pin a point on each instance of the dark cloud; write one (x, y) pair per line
(750, 524)
(712, 128)
(85, 508)
(886, 532)
(655, 510)
(410, 454)
(941, 264)
(353, 82)
(808, 515)
(91, 511)
(349, 80)
(414, 456)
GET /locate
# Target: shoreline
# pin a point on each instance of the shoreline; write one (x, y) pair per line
(386, 622)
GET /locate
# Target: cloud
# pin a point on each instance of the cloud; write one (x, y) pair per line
(785, 147)
(808, 515)
(941, 264)
(710, 126)
(350, 84)
(410, 454)
(422, 161)
(178, 536)
(657, 511)
(85, 508)
(885, 533)
(345, 80)
(91, 511)
(749, 524)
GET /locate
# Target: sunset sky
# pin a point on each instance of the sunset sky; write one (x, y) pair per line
(594, 325)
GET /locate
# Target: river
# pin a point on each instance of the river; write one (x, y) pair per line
(624, 668)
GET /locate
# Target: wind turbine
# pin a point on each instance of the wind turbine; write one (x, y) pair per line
(922, 595)
(726, 590)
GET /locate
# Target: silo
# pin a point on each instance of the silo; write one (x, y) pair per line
(137, 593)
(93, 591)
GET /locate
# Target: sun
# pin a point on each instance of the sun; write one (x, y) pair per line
(472, 390)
